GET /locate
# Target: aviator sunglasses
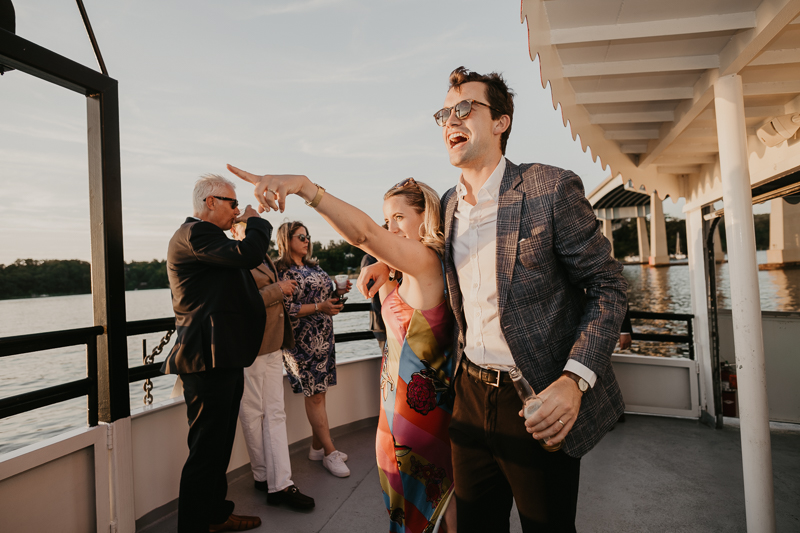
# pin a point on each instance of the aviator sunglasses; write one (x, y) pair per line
(462, 109)
(303, 238)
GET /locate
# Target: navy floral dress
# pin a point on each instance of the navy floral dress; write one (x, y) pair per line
(311, 364)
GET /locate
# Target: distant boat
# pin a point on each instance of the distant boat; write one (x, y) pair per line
(678, 254)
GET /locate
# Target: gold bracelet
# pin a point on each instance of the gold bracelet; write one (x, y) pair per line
(316, 309)
(318, 198)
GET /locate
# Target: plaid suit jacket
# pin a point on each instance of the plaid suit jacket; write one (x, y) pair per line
(560, 293)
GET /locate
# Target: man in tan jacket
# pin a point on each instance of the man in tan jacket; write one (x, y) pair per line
(262, 415)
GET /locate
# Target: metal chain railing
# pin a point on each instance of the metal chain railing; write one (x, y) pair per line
(148, 359)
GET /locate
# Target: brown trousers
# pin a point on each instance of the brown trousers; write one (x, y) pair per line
(496, 462)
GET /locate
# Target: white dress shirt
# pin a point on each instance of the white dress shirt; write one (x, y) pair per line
(474, 255)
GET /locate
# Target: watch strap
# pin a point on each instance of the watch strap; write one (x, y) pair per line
(317, 198)
(582, 384)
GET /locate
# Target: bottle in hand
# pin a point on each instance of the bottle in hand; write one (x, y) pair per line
(530, 402)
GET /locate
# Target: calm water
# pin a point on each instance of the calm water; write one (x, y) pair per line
(650, 289)
(666, 290)
(28, 372)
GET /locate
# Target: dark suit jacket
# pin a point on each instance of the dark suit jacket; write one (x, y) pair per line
(627, 327)
(560, 293)
(219, 314)
(376, 324)
(278, 329)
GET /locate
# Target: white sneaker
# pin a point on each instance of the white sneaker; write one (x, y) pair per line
(335, 464)
(318, 455)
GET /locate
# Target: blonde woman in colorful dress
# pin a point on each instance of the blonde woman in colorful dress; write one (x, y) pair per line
(413, 443)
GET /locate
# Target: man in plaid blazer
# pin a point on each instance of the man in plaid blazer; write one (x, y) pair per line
(532, 284)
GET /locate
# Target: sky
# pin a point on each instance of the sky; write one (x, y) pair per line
(342, 91)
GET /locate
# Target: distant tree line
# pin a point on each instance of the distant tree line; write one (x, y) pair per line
(28, 278)
(338, 257)
(142, 275)
(626, 242)
(335, 258)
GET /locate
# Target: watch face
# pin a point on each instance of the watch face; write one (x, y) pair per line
(583, 385)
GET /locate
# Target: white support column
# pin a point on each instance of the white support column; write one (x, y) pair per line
(644, 243)
(697, 288)
(120, 458)
(658, 232)
(784, 232)
(745, 305)
(608, 232)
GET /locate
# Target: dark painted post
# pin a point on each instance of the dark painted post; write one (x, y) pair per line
(91, 374)
(108, 267)
(709, 227)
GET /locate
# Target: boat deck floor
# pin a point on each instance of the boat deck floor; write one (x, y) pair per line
(648, 474)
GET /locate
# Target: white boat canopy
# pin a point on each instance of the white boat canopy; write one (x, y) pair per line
(635, 80)
(694, 99)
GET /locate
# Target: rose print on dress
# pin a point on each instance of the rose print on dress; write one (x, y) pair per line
(397, 515)
(421, 393)
(432, 476)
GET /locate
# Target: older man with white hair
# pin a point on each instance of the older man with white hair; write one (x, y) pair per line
(219, 321)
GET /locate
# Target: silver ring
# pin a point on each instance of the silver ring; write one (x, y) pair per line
(562, 423)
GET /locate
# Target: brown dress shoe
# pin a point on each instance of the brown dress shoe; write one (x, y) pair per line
(236, 523)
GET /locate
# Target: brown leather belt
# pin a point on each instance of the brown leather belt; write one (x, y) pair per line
(495, 378)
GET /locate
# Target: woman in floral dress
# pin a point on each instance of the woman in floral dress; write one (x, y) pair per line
(311, 364)
(413, 443)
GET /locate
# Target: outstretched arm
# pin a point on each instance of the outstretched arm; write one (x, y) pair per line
(357, 228)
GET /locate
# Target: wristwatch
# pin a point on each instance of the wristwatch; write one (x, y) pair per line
(583, 385)
(317, 198)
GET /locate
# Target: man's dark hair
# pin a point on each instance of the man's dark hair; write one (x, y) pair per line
(499, 96)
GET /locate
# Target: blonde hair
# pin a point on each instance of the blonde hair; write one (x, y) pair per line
(424, 200)
(285, 233)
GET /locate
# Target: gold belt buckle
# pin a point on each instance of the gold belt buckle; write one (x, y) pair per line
(498, 369)
(481, 375)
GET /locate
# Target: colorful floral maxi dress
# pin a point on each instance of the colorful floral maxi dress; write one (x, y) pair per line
(413, 443)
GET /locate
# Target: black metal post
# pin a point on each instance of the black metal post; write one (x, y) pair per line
(92, 39)
(108, 264)
(91, 373)
(709, 228)
(105, 202)
(42, 63)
